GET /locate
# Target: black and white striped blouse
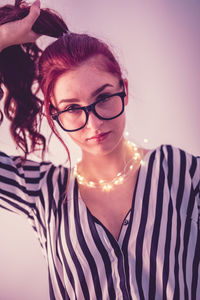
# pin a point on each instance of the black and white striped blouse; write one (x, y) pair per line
(157, 255)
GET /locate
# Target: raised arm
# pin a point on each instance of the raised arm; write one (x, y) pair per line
(20, 26)
(21, 180)
(20, 31)
(18, 72)
(19, 184)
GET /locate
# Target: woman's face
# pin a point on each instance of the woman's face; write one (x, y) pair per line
(81, 87)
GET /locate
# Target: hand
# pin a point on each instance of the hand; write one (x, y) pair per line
(19, 32)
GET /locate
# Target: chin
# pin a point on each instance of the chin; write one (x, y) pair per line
(102, 148)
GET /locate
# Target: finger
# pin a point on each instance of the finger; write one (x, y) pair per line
(36, 3)
(34, 13)
(23, 4)
(32, 37)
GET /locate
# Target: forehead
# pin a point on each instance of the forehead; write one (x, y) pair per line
(85, 78)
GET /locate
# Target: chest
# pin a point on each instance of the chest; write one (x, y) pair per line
(149, 255)
(110, 208)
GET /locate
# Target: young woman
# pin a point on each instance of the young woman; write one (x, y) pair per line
(124, 223)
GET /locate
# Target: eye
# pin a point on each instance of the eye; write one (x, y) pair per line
(104, 96)
(70, 107)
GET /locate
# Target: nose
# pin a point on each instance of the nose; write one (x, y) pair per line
(93, 121)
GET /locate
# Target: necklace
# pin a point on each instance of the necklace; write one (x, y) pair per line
(117, 180)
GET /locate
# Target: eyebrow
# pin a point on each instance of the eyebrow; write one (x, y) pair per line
(93, 94)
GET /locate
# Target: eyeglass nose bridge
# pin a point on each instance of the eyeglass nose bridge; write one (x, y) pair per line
(91, 108)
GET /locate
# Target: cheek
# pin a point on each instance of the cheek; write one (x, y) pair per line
(75, 136)
(119, 123)
(116, 125)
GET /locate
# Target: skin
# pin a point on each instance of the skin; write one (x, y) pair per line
(104, 159)
(79, 85)
(19, 32)
(109, 207)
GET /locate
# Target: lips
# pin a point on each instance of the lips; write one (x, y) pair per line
(99, 137)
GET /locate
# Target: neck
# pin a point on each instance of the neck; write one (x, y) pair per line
(106, 166)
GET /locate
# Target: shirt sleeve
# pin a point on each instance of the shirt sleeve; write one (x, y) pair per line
(32, 189)
(184, 181)
(27, 186)
(194, 171)
(20, 183)
(197, 186)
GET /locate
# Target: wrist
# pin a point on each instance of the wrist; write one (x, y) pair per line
(2, 39)
(2, 47)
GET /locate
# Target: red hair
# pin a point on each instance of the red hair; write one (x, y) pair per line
(22, 65)
(65, 54)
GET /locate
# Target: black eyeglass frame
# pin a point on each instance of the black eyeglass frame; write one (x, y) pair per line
(89, 108)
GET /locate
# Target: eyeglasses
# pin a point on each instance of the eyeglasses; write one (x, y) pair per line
(74, 117)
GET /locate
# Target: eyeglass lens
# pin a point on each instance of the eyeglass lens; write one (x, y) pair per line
(107, 108)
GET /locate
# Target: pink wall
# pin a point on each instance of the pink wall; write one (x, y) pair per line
(158, 44)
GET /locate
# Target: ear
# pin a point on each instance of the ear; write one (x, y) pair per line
(125, 81)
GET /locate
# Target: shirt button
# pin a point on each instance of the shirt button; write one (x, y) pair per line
(125, 222)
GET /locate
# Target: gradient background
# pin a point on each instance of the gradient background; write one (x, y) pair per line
(158, 45)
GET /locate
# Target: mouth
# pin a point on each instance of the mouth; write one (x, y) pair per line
(99, 137)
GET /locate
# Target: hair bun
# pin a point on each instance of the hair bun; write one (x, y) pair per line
(48, 23)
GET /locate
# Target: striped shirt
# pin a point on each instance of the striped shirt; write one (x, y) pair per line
(157, 254)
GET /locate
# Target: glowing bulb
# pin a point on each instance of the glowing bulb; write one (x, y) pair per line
(121, 179)
(116, 181)
(136, 156)
(91, 184)
(107, 187)
(80, 178)
(101, 181)
(131, 167)
(126, 133)
(146, 140)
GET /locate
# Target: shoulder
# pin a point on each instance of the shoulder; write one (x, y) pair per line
(177, 164)
(175, 174)
(171, 154)
(28, 168)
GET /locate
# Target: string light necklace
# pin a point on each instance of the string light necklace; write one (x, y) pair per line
(117, 180)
